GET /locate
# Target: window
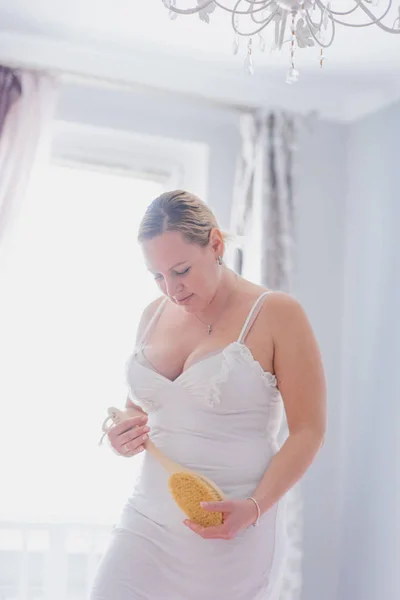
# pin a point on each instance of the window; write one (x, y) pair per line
(70, 303)
(68, 323)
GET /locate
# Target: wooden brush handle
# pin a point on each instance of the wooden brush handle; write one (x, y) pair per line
(169, 465)
(117, 416)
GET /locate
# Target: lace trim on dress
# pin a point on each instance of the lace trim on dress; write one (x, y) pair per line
(214, 395)
(268, 377)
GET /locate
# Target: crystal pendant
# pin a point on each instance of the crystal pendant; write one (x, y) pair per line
(235, 47)
(248, 65)
(262, 43)
(292, 75)
(274, 48)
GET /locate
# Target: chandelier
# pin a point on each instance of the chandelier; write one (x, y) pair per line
(299, 23)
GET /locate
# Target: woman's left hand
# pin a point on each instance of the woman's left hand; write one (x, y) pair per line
(237, 516)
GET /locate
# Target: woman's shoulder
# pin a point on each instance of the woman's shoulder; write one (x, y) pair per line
(251, 292)
(147, 315)
(151, 309)
(278, 307)
(256, 290)
(283, 315)
(282, 301)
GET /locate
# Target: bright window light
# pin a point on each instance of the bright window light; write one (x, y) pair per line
(70, 305)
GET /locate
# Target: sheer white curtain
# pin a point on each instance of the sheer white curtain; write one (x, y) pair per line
(263, 219)
(24, 145)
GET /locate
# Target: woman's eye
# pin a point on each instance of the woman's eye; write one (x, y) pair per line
(183, 272)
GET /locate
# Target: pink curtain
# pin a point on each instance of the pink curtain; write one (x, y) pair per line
(10, 91)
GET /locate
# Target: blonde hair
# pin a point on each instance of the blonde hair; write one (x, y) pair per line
(178, 211)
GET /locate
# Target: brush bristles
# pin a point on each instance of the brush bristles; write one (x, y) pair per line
(188, 491)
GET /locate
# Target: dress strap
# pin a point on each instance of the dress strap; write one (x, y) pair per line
(151, 324)
(252, 316)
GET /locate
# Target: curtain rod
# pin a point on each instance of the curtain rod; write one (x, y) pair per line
(308, 118)
(69, 75)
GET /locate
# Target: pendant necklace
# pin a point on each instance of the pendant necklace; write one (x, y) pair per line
(211, 325)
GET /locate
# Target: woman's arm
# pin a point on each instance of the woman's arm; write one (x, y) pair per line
(145, 319)
(125, 434)
(298, 368)
(299, 371)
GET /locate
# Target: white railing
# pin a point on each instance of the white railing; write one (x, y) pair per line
(49, 561)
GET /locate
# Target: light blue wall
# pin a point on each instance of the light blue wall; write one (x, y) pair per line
(370, 555)
(321, 231)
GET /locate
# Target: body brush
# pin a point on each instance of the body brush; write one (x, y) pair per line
(186, 487)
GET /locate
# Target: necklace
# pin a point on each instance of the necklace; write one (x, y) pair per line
(211, 325)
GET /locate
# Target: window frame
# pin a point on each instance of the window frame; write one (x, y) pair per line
(177, 163)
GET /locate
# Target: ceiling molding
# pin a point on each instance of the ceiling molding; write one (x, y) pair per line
(335, 98)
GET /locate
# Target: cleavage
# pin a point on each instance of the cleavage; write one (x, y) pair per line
(177, 370)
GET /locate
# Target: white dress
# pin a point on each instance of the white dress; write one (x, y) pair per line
(220, 418)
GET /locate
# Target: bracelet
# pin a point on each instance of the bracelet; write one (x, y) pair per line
(256, 522)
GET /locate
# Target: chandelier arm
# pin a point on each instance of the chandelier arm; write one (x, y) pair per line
(316, 25)
(264, 3)
(191, 11)
(257, 21)
(264, 24)
(323, 7)
(374, 20)
(360, 4)
(233, 11)
(267, 5)
(321, 44)
(379, 21)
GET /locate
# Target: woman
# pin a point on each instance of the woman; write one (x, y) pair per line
(217, 359)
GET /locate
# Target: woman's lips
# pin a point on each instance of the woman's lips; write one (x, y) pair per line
(185, 300)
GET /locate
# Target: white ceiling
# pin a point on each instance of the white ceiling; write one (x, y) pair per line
(134, 40)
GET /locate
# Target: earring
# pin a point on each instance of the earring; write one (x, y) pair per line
(219, 260)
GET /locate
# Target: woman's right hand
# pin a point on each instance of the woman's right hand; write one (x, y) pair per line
(128, 438)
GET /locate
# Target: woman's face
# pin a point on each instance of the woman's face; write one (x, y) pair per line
(188, 274)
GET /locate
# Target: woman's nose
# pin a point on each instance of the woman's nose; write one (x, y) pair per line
(173, 287)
